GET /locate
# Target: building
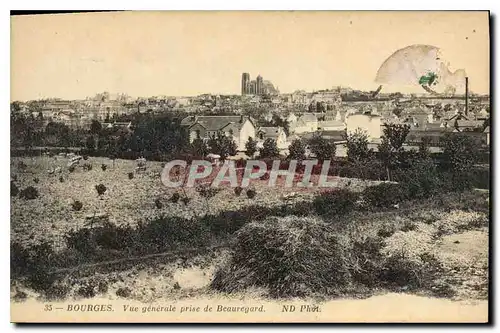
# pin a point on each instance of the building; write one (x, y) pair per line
(259, 86)
(331, 125)
(240, 128)
(487, 132)
(275, 133)
(245, 81)
(367, 122)
(308, 122)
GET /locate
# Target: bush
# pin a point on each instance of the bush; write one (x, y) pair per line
(335, 202)
(238, 190)
(124, 292)
(104, 167)
(36, 180)
(408, 260)
(85, 157)
(71, 169)
(21, 165)
(76, 205)
(14, 190)
(175, 197)
(87, 289)
(279, 254)
(130, 175)
(251, 193)
(101, 189)
(83, 241)
(384, 195)
(87, 166)
(158, 204)
(61, 179)
(185, 200)
(29, 193)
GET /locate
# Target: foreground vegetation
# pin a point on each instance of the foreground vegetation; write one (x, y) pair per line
(352, 240)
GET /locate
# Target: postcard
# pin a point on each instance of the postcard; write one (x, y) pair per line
(250, 167)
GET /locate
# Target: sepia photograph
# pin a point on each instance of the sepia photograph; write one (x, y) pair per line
(250, 167)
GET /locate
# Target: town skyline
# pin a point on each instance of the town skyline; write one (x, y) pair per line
(192, 53)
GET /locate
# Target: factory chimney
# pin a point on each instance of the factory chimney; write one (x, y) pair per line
(466, 96)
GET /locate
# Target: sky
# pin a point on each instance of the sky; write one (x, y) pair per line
(72, 56)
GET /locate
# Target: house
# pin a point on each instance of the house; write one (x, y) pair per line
(367, 122)
(331, 125)
(306, 123)
(487, 131)
(240, 128)
(291, 118)
(468, 125)
(482, 115)
(275, 133)
(422, 116)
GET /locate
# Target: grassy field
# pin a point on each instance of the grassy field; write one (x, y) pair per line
(126, 201)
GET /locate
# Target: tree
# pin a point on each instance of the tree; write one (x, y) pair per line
(459, 156)
(297, 150)
(459, 153)
(199, 147)
(58, 133)
(95, 130)
(222, 145)
(391, 149)
(357, 146)
(251, 147)
(269, 149)
(323, 149)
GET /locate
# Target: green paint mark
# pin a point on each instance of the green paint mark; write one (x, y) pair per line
(429, 79)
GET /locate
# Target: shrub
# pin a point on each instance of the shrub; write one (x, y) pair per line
(101, 189)
(279, 254)
(124, 292)
(71, 169)
(459, 221)
(61, 179)
(185, 200)
(82, 240)
(77, 205)
(21, 165)
(29, 193)
(104, 167)
(102, 287)
(14, 190)
(87, 289)
(207, 192)
(169, 233)
(336, 202)
(130, 175)
(408, 260)
(238, 190)
(87, 166)
(251, 193)
(158, 204)
(367, 260)
(384, 195)
(85, 157)
(175, 197)
(36, 180)
(386, 231)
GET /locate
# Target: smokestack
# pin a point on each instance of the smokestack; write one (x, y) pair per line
(466, 95)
